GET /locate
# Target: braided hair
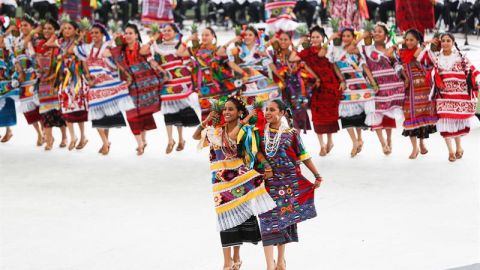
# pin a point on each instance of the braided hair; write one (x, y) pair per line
(177, 31)
(415, 33)
(319, 30)
(135, 29)
(454, 42)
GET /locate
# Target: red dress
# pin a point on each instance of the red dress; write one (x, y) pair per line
(325, 99)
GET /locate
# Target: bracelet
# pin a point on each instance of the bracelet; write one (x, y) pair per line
(200, 127)
(244, 74)
(184, 44)
(240, 125)
(325, 46)
(268, 169)
(317, 175)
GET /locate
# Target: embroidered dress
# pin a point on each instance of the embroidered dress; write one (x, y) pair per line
(294, 92)
(211, 80)
(358, 101)
(405, 9)
(72, 86)
(108, 96)
(76, 9)
(325, 100)
(348, 11)
(8, 93)
(238, 191)
(280, 16)
(25, 56)
(144, 90)
(391, 94)
(455, 104)
(157, 11)
(175, 93)
(259, 86)
(292, 193)
(418, 109)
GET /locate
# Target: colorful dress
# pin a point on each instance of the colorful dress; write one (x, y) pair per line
(9, 91)
(325, 100)
(347, 11)
(358, 101)
(294, 91)
(210, 79)
(157, 11)
(144, 89)
(239, 193)
(76, 9)
(176, 106)
(47, 93)
(259, 86)
(292, 193)
(391, 93)
(456, 103)
(280, 15)
(25, 56)
(109, 96)
(72, 85)
(418, 108)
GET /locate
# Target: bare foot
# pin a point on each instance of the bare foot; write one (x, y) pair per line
(414, 154)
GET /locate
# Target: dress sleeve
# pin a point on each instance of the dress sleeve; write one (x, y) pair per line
(299, 147)
(475, 73)
(230, 56)
(81, 51)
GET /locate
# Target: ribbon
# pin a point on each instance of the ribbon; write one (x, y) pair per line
(250, 143)
(393, 34)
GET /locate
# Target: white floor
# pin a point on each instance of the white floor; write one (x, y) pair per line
(81, 211)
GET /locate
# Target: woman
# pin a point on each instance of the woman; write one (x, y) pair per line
(386, 70)
(358, 95)
(292, 192)
(144, 86)
(291, 75)
(250, 59)
(71, 83)
(24, 65)
(418, 109)
(177, 88)
(108, 96)
(211, 79)
(325, 98)
(8, 92)
(456, 96)
(49, 104)
(239, 192)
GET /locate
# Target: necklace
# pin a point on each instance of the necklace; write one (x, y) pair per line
(272, 145)
(229, 148)
(446, 62)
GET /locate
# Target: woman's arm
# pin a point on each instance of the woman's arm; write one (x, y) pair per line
(222, 51)
(268, 172)
(370, 77)
(294, 57)
(318, 179)
(234, 133)
(197, 135)
(339, 74)
(317, 79)
(182, 50)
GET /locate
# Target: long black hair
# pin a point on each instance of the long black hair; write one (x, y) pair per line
(450, 35)
(415, 33)
(319, 30)
(282, 107)
(240, 105)
(177, 31)
(135, 29)
(213, 33)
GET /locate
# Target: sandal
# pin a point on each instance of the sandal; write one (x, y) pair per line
(141, 150)
(284, 267)
(63, 144)
(105, 152)
(354, 151)
(41, 141)
(451, 157)
(414, 155)
(329, 147)
(323, 151)
(72, 144)
(237, 265)
(170, 147)
(459, 154)
(360, 145)
(7, 137)
(82, 144)
(423, 150)
(49, 146)
(386, 149)
(181, 146)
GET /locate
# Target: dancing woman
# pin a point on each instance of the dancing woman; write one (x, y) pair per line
(293, 193)
(387, 72)
(71, 83)
(326, 96)
(358, 95)
(456, 96)
(144, 85)
(25, 67)
(211, 80)
(176, 106)
(239, 192)
(291, 81)
(418, 109)
(108, 96)
(8, 91)
(46, 60)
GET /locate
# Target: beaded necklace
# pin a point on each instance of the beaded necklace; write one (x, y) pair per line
(272, 145)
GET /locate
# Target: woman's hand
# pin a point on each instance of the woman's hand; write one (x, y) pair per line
(251, 114)
(317, 183)
(406, 82)
(343, 86)
(318, 82)
(268, 174)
